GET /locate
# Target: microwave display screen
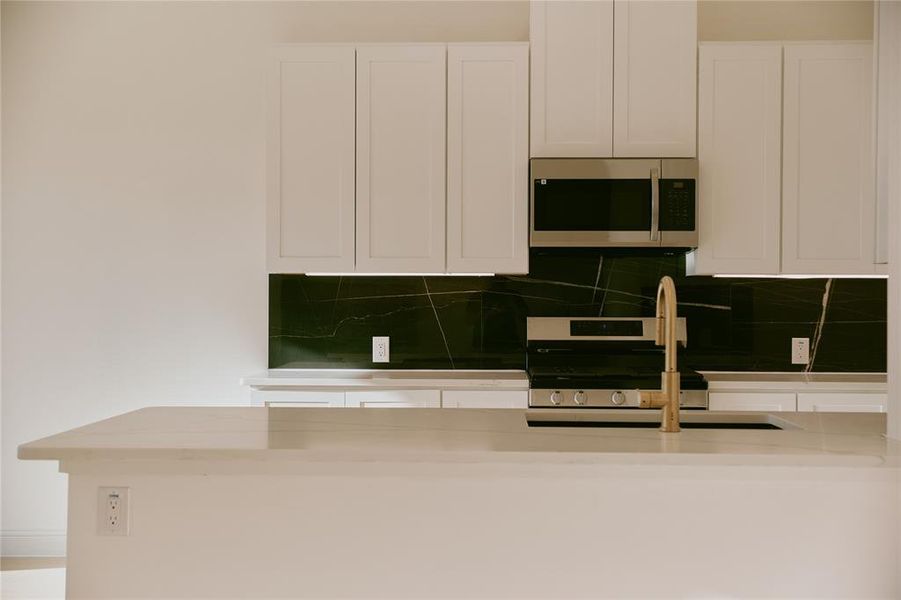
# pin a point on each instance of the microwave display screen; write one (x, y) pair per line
(592, 204)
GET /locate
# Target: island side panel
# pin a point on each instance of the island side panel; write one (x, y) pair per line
(475, 530)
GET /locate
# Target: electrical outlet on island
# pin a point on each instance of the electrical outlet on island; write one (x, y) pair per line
(112, 511)
(800, 351)
(380, 349)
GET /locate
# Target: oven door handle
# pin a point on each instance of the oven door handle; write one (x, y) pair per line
(655, 204)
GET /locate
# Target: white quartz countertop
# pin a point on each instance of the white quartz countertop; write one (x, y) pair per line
(458, 435)
(794, 377)
(388, 379)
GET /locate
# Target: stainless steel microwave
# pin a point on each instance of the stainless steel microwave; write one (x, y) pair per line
(618, 202)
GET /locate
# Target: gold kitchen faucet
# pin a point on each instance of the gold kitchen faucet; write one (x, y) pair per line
(668, 396)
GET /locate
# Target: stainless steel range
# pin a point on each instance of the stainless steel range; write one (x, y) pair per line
(601, 362)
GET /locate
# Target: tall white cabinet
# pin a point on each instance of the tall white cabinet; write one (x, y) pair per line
(739, 158)
(654, 84)
(310, 222)
(786, 182)
(613, 78)
(572, 78)
(487, 158)
(828, 178)
(398, 158)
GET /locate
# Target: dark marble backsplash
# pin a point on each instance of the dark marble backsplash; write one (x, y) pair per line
(480, 322)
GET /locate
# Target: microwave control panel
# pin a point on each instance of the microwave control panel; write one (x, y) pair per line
(677, 204)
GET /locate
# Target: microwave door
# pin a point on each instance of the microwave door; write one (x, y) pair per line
(593, 203)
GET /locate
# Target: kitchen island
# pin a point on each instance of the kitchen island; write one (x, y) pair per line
(418, 503)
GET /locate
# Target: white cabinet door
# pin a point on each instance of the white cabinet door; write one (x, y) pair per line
(487, 158)
(394, 399)
(888, 123)
(842, 402)
(655, 78)
(401, 158)
(572, 75)
(828, 175)
(310, 220)
(484, 399)
(753, 401)
(739, 155)
(286, 398)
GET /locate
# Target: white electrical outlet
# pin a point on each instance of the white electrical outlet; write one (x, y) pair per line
(380, 349)
(800, 351)
(112, 511)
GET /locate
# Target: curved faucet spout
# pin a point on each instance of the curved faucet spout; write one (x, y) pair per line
(666, 321)
(668, 396)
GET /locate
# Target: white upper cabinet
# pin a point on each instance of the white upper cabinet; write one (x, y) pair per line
(310, 179)
(613, 78)
(487, 158)
(401, 158)
(888, 123)
(654, 78)
(739, 156)
(572, 78)
(828, 193)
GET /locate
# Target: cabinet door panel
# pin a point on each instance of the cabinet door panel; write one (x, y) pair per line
(484, 399)
(753, 401)
(828, 176)
(488, 160)
(739, 154)
(310, 221)
(842, 402)
(295, 398)
(571, 74)
(401, 158)
(655, 78)
(394, 399)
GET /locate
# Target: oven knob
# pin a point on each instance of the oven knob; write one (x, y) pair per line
(580, 398)
(617, 398)
(556, 398)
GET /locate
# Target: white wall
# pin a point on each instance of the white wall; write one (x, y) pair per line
(133, 269)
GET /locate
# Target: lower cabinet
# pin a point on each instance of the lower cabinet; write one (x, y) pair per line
(800, 401)
(484, 399)
(285, 398)
(842, 402)
(394, 399)
(771, 402)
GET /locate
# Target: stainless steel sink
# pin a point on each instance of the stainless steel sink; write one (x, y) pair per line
(650, 419)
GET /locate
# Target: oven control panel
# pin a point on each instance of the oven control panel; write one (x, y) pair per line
(563, 398)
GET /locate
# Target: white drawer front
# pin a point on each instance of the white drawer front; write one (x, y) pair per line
(770, 402)
(485, 399)
(842, 402)
(395, 399)
(320, 399)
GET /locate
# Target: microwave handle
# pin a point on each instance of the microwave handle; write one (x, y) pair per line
(655, 204)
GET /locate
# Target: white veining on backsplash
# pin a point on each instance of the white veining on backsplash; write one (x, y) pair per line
(818, 334)
(438, 320)
(597, 279)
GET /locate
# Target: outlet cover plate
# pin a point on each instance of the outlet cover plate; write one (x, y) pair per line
(800, 351)
(381, 351)
(112, 511)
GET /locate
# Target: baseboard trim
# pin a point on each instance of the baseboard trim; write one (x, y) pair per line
(32, 543)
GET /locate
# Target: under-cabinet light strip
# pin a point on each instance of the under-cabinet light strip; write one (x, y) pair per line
(803, 276)
(400, 274)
